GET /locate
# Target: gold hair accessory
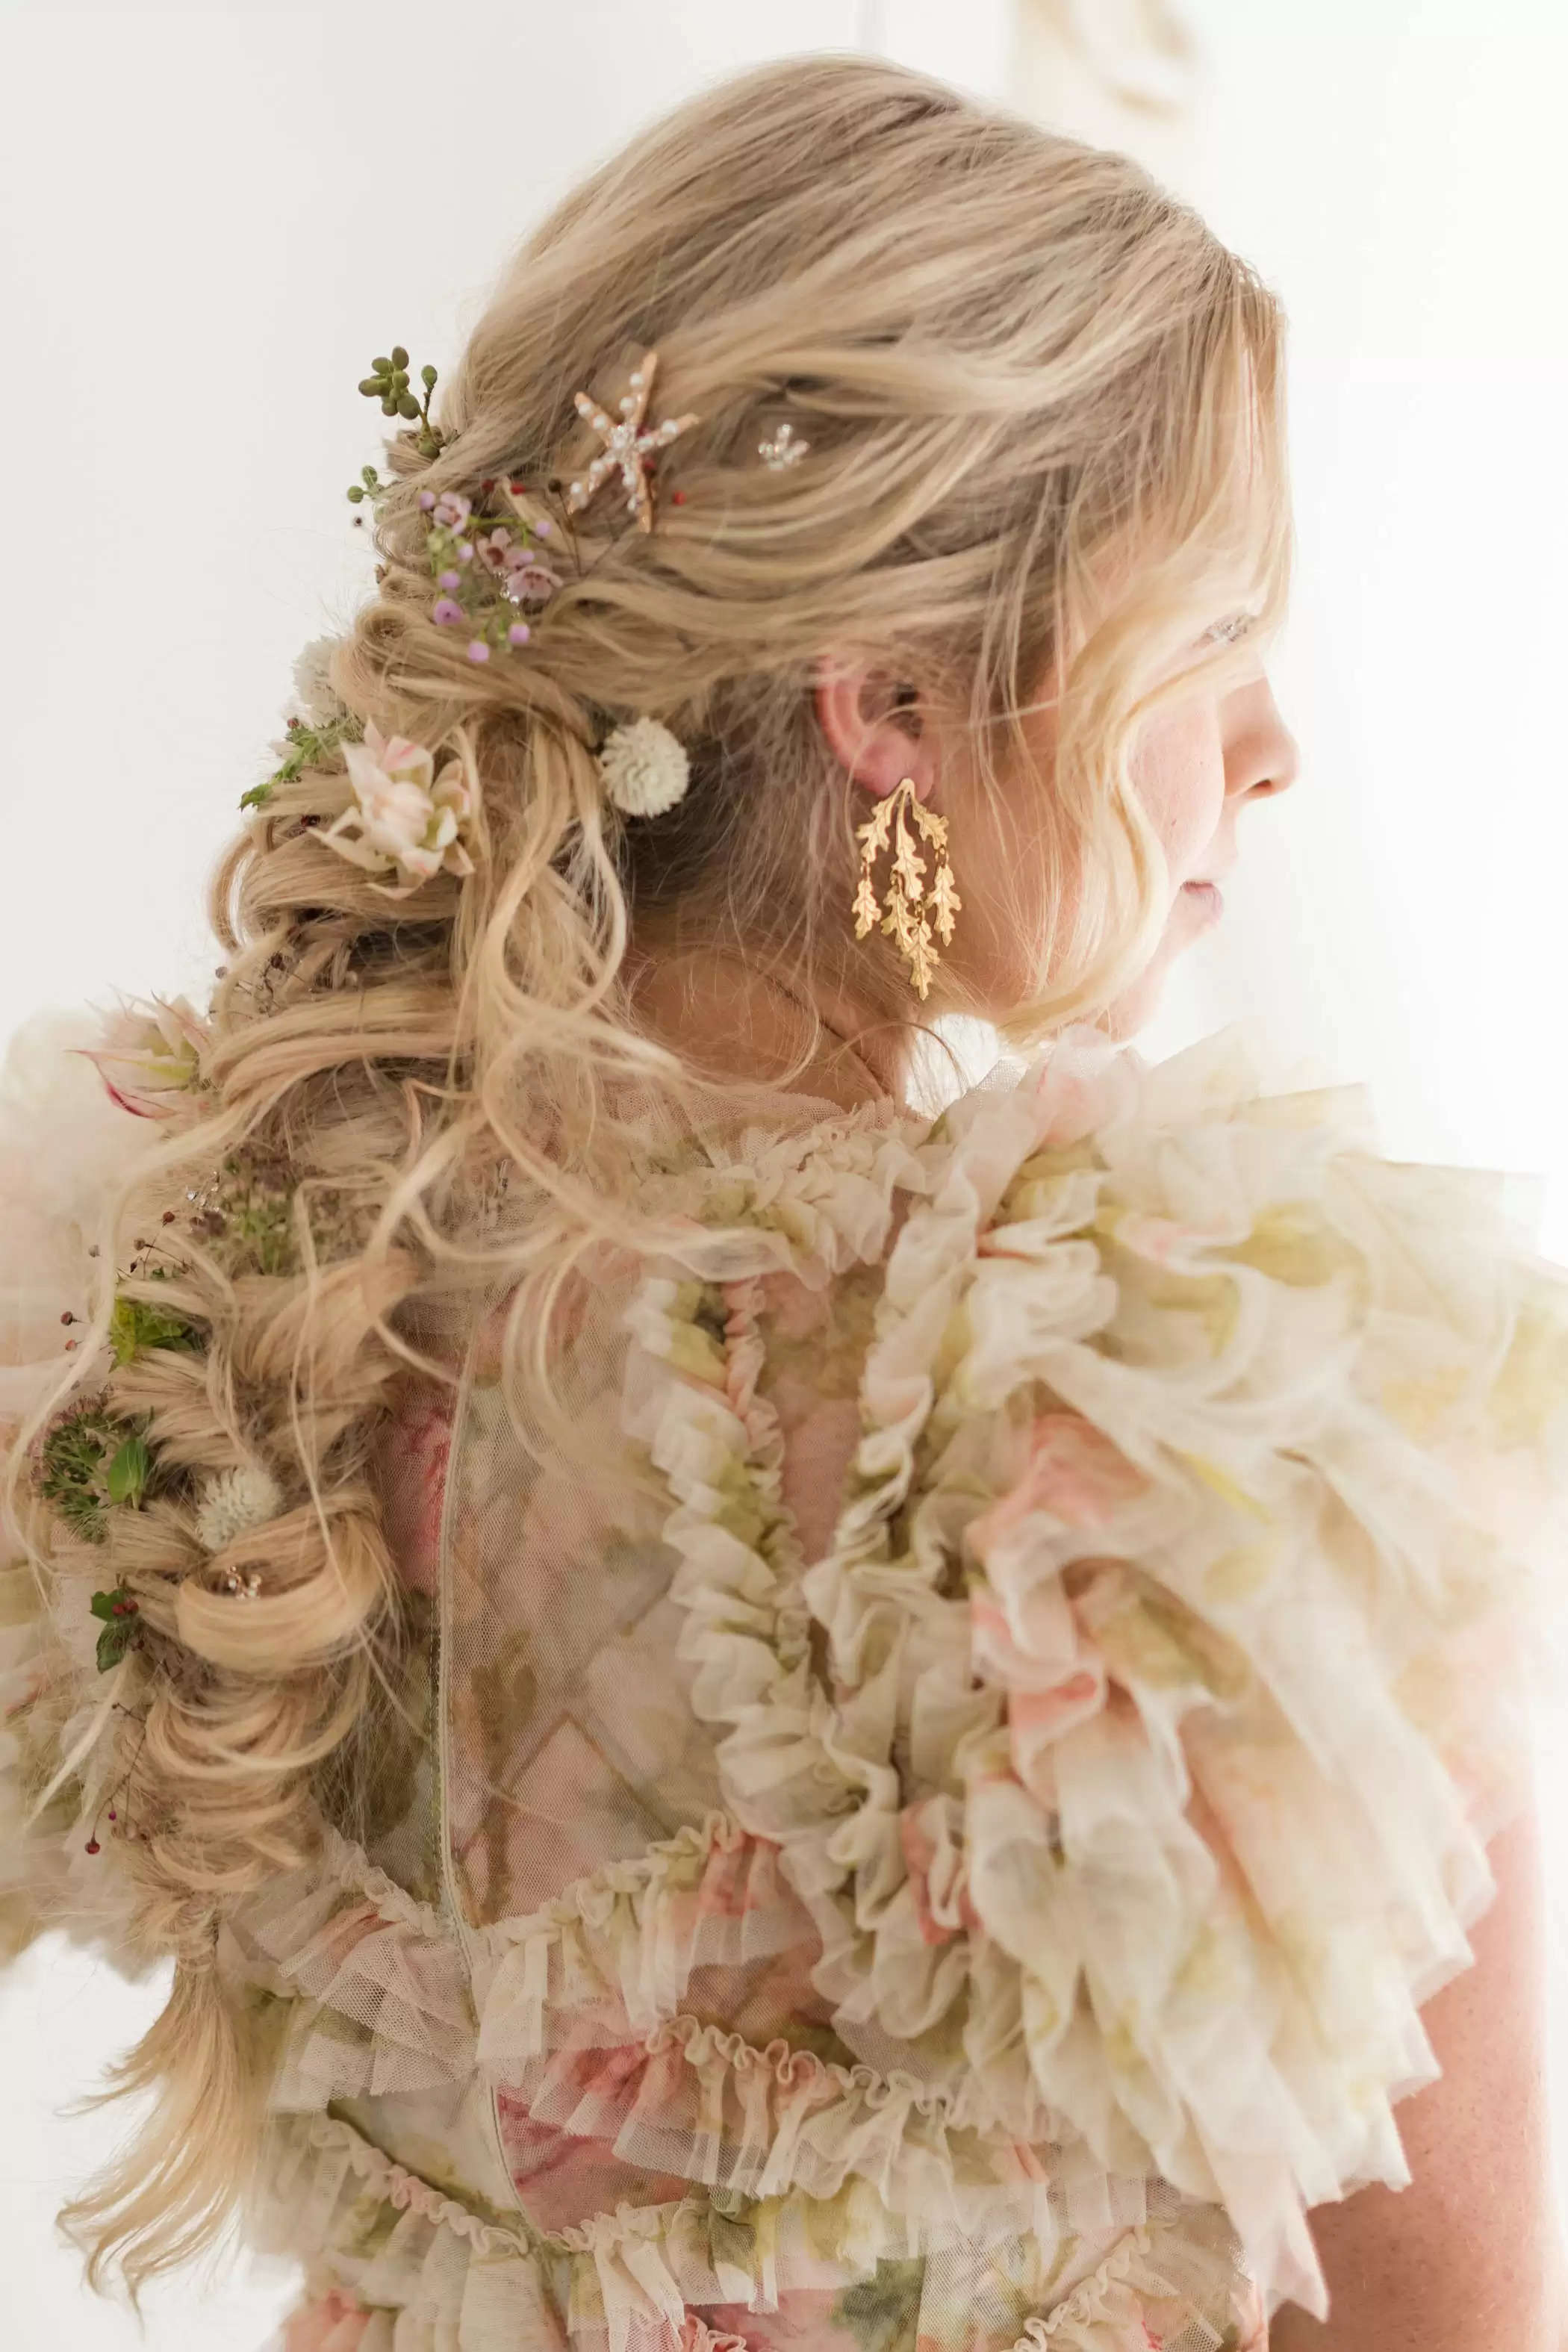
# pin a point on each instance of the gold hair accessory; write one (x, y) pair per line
(911, 910)
(629, 450)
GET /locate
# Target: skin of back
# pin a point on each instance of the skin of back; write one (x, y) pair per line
(1470, 2256)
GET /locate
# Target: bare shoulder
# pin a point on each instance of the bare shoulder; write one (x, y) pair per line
(1468, 2257)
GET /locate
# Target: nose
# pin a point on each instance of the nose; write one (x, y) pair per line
(1262, 756)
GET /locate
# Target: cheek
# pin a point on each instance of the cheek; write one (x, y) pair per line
(1179, 771)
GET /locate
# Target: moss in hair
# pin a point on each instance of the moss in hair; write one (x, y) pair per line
(134, 1328)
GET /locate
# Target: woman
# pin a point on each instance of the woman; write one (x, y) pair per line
(764, 1701)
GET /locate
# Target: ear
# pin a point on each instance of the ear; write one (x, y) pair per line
(876, 728)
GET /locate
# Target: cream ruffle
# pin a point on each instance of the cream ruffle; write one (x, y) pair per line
(1176, 2284)
(1182, 1853)
(630, 2281)
(621, 1946)
(704, 2104)
(380, 2007)
(378, 1985)
(439, 2277)
(384, 2003)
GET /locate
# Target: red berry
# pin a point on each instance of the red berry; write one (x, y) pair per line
(92, 1846)
(678, 498)
(112, 1815)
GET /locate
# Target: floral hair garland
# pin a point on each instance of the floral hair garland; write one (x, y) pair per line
(493, 561)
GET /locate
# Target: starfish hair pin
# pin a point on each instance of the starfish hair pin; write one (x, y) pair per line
(630, 445)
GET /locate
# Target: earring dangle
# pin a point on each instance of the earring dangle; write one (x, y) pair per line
(911, 909)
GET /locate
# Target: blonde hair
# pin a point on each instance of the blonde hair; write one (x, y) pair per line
(1021, 368)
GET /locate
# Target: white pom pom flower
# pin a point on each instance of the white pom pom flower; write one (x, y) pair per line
(236, 1502)
(316, 699)
(645, 767)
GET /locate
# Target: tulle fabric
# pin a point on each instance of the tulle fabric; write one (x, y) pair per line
(945, 1809)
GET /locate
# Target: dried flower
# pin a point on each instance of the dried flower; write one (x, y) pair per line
(645, 767)
(406, 819)
(317, 701)
(234, 1503)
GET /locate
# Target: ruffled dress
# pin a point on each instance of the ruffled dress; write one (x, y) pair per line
(948, 1785)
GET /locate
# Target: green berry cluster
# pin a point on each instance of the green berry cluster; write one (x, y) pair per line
(388, 382)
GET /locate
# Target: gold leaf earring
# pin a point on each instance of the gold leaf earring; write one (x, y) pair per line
(914, 907)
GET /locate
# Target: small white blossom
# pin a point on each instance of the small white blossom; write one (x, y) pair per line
(406, 819)
(645, 767)
(236, 1503)
(316, 701)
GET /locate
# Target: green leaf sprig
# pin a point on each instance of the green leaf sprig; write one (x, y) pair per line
(121, 1627)
(308, 745)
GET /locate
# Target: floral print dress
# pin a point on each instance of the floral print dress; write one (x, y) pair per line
(947, 1785)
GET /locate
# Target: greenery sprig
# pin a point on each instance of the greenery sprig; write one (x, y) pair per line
(309, 743)
(121, 1628)
(135, 1327)
(90, 1461)
(388, 382)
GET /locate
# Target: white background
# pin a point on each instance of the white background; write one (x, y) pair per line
(211, 218)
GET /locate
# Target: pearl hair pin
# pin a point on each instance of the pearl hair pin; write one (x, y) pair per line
(629, 449)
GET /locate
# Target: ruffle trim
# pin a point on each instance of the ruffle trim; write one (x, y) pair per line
(1179, 1842)
(438, 2277)
(630, 2281)
(381, 1987)
(705, 2105)
(623, 1943)
(1179, 2285)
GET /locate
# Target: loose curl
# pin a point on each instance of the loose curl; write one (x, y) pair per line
(1024, 370)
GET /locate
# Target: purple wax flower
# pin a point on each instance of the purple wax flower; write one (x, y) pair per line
(449, 579)
(519, 633)
(477, 650)
(447, 609)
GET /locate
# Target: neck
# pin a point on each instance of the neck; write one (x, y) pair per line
(730, 1019)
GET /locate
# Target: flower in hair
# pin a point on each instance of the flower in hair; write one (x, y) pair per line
(316, 702)
(236, 1503)
(150, 1055)
(645, 767)
(406, 819)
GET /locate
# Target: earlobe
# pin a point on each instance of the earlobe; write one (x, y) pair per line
(873, 729)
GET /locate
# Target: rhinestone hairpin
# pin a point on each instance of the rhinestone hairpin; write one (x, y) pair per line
(628, 449)
(781, 450)
(245, 1583)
